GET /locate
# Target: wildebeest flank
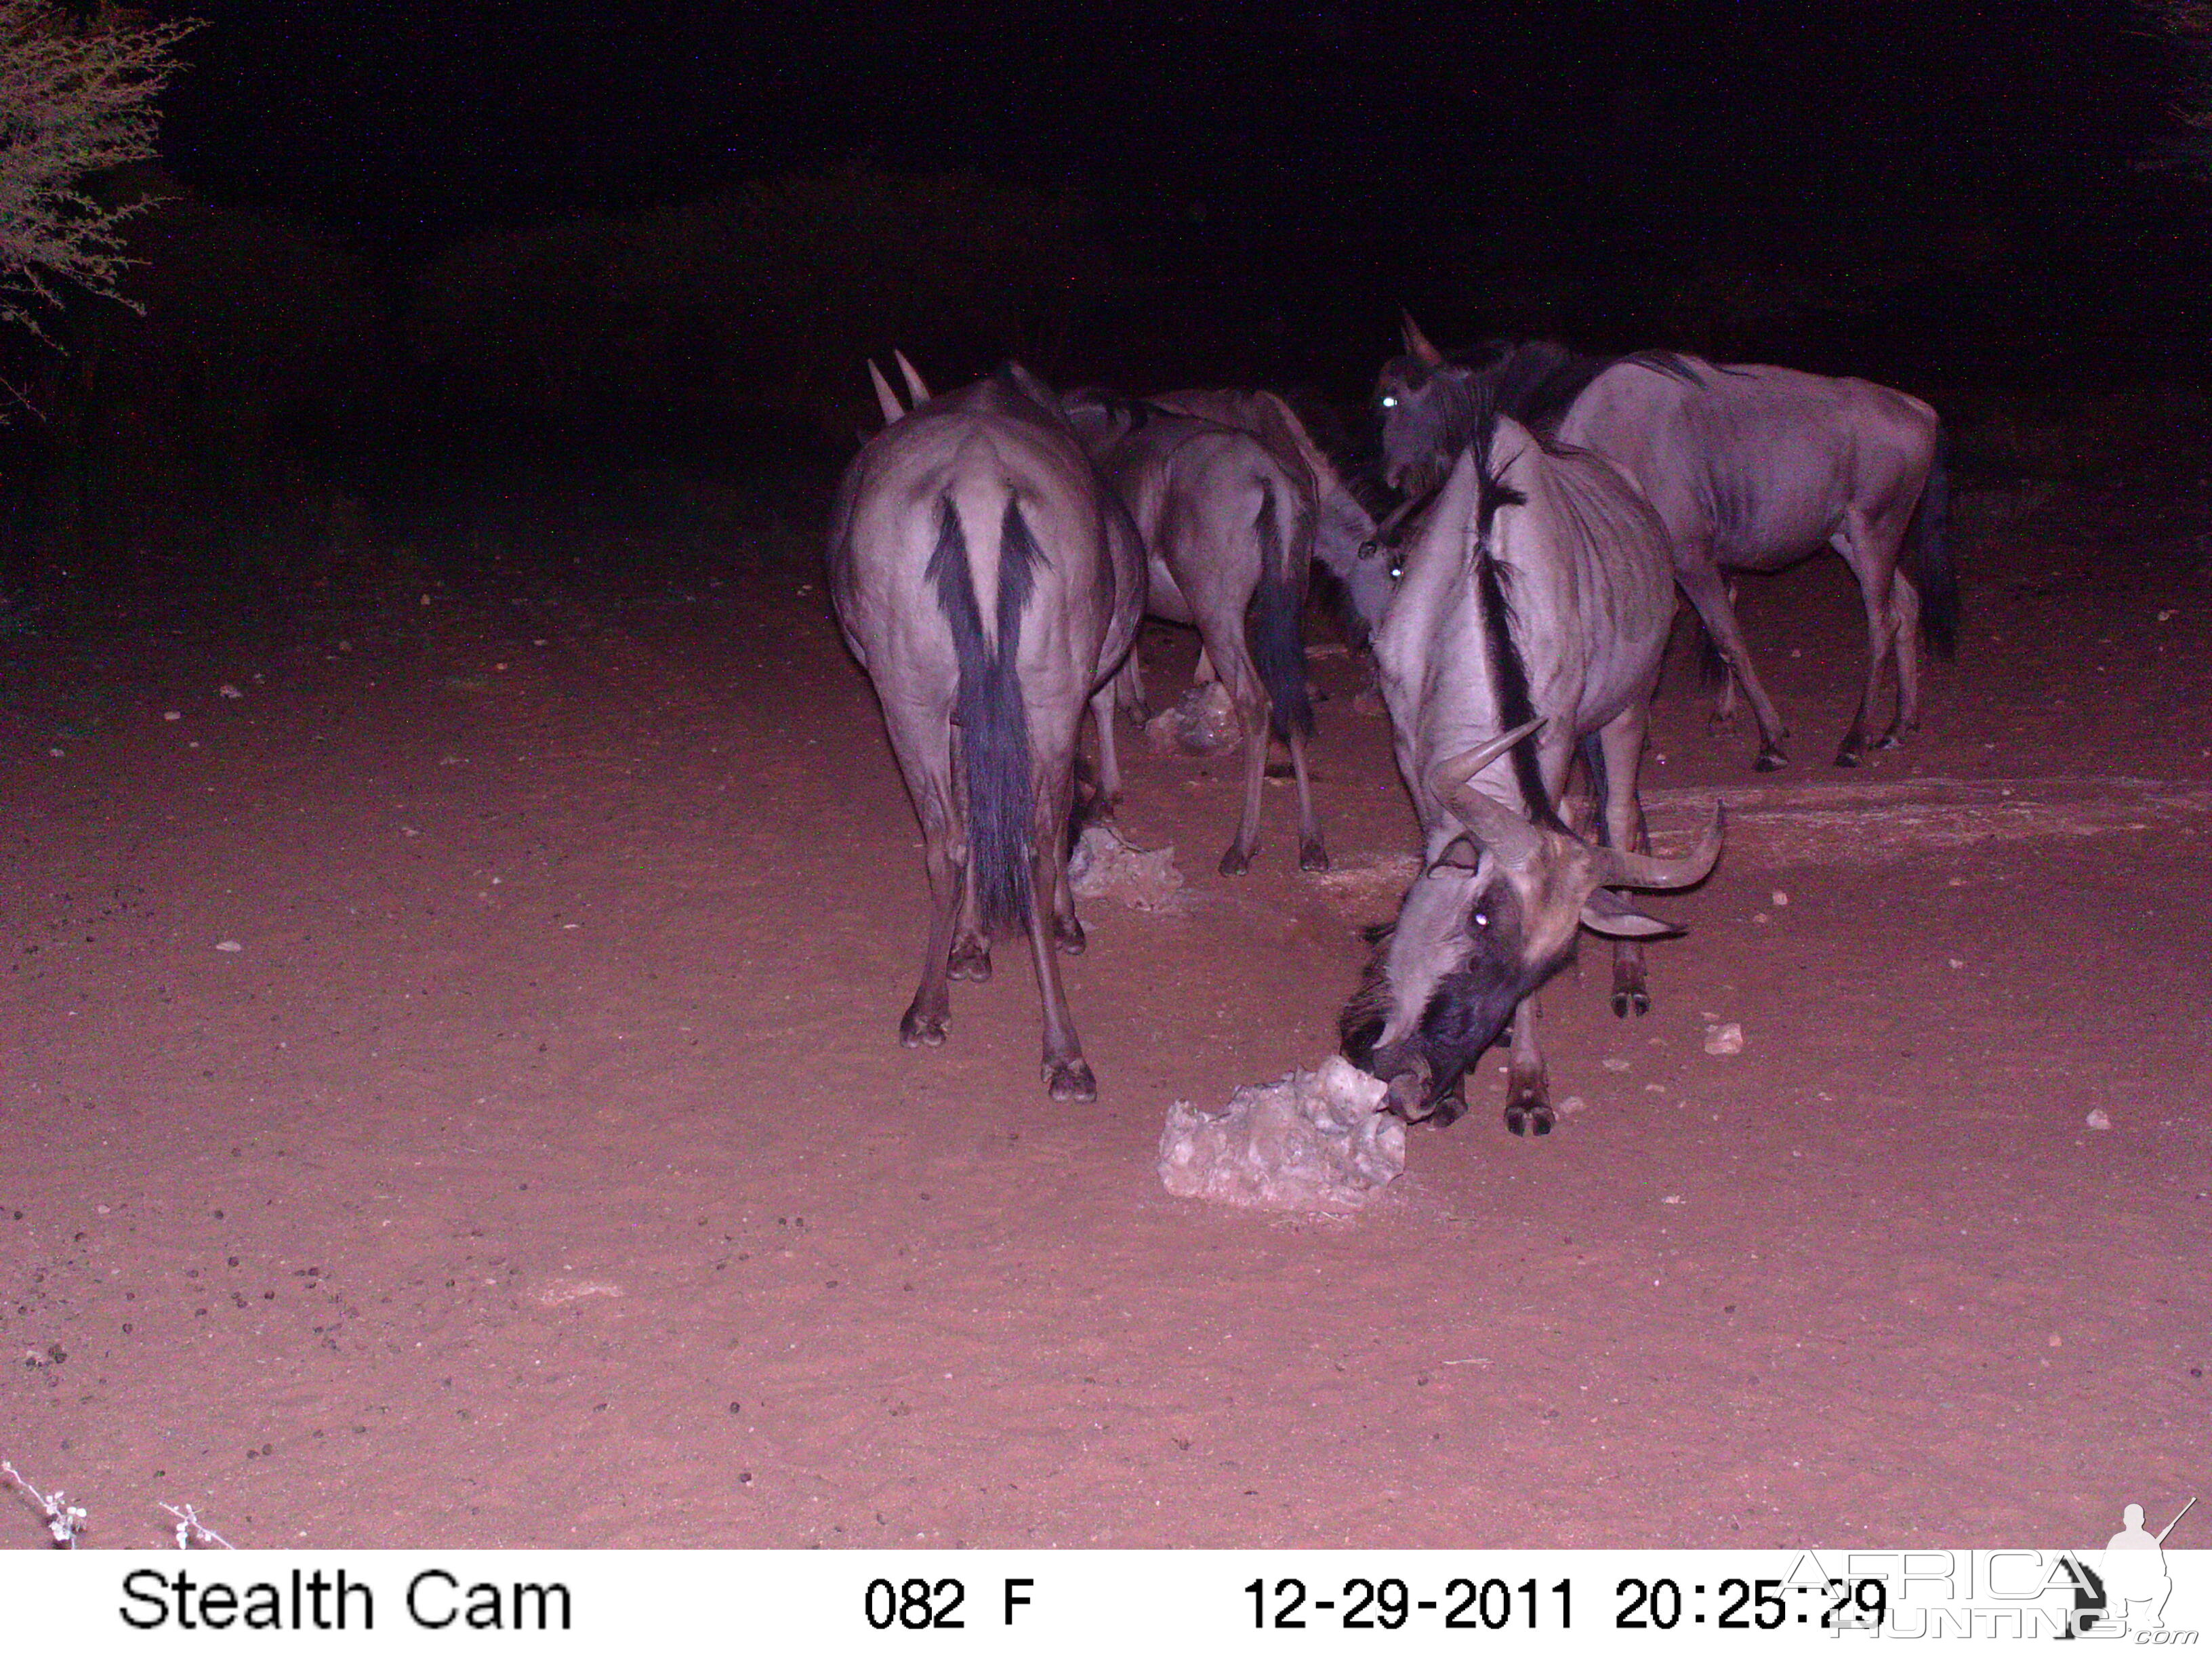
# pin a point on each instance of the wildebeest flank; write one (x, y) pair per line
(1750, 467)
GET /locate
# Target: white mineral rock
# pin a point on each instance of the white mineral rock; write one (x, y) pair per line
(1102, 865)
(1317, 1141)
(1203, 722)
(1726, 1039)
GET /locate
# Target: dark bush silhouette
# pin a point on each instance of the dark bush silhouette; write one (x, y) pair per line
(750, 310)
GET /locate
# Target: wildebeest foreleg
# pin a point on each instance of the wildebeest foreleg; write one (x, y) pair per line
(1527, 1100)
(1617, 751)
(1700, 580)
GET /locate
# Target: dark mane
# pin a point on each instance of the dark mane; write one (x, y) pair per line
(1537, 381)
(1509, 664)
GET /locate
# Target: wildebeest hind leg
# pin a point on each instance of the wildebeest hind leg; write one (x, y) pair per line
(1701, 585)
(1871, 551)
(927, 1015)
(1250, 697)
(970, 954)
(1724, 699)
(1065, 1074)
(1067, 933)
(1904, 641)
(1128, 690)
(1110, 756)
(1312, 854)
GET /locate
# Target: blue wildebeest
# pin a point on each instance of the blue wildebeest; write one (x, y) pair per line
(1342, 525)
(1229, 529)
(990, 585)
(1531, 618)
(1751, 468)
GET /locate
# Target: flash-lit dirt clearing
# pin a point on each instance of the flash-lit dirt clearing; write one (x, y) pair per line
(541, 1168)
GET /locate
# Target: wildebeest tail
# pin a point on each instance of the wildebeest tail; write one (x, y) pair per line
(1273, 626)
(994, 736)
(1927, 554)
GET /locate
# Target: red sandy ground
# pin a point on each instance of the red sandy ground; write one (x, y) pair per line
(543, 1170)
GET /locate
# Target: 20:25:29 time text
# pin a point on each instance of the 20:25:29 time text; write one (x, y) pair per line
(1387, 1604)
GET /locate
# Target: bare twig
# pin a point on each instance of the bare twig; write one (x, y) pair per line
(64, 1519)
(190, 1531)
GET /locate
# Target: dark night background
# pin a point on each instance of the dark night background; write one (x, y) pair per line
(405, 247)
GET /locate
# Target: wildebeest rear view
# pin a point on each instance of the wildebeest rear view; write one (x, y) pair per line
(989, 586)
(1750, 467)
(1229, 532)
(1342, 526)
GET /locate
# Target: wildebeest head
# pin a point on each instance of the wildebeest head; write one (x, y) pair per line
(1419, 405)
(1492, 917)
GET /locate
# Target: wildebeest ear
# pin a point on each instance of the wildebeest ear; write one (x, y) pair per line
(1606, 912)
(1461, 857)
(1032, 386)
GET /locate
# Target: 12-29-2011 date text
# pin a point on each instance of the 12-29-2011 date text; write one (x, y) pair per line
(1465, 1603)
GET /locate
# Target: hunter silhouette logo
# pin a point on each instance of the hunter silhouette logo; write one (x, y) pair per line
(2135, 1570)
(2127, 1590)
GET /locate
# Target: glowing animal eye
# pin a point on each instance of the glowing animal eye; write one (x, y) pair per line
(1390, 403)
(1480, 920)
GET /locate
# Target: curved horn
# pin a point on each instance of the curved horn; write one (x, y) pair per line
(915, 389)
(1418, 343)
(1498, 827)
(885, 400)
(1641, 870)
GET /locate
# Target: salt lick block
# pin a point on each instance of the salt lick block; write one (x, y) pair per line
(1315, 1142)
(1202, 722)
(1102, 865)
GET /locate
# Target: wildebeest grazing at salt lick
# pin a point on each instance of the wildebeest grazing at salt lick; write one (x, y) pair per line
(1529, 624)
(541, 1168)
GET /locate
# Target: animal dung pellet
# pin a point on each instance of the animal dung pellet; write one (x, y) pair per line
(1727, 1039)
(1202, 722)
(1103, 865)
(1317, 1141)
